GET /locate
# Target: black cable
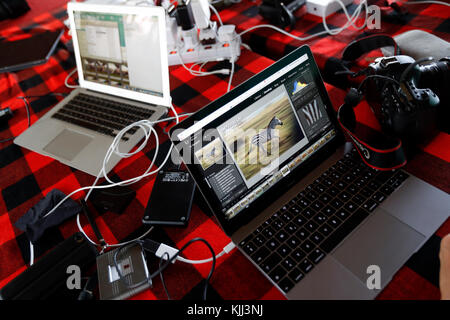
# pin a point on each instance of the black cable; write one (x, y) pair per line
(28, 107)
(162, 277)
(168, 262)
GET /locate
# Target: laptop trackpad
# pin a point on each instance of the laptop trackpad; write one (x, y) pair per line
(383, 241)
(67, 144)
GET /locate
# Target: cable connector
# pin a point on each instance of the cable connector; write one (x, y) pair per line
(160, 250)
(229, 247)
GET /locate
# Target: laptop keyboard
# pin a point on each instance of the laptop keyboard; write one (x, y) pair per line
(296, 238)
(101, 115)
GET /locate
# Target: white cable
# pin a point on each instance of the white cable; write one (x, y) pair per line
(31, 254)
(351, 21)
(227, 249)
(67, 79)
(143, 124)
(426, 2)
(216, 13)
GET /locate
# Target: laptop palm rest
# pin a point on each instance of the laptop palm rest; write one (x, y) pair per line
(382, 241)
(68, 144)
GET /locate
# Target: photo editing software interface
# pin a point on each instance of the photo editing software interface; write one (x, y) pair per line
(120, 50)
(279, 123)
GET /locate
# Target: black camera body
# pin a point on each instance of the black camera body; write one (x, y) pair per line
(280, 13)
(407, 98)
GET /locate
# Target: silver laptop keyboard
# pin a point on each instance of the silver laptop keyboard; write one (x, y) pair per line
(101, 115)
(294, 239)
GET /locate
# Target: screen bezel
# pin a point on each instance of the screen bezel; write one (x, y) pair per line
(160, 13)
(254, 208)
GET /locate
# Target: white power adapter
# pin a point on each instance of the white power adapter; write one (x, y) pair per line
(324, 8)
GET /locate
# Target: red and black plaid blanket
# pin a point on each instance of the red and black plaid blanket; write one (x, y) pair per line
(26, 177)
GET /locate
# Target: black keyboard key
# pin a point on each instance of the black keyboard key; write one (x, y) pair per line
(312, 196)
(286, 284)
(288, 264)
(249, 248)
(259, 240)
(298, 255)
(268, 264)
(268, 232)
(293, 242)
(401, 176)
(358, 199)
(316, 238)
(325, 230)
(370, 205)
(295, 210)
(344, 196)
(378, 197)
(296, 275)
(272, 244)
(320, 218)
(317, 205)
(306, 266)
(316, 255)
(284, 250)
(299, 221)
(303, 234)
(333, 191)
(307, 246)
(278, 224)
(260, 255)
(366, 192)
(304, 202)
(386, 189)
(325, 197)
(281, 236)
(277, 274)
(319, 188)
(311, 226)
(341, 185)
(329, 211)
(291, 228)
(339, 234)
(336, 203)
(350, 206)
(308, 213)
(334, 222)
(374, 185)
(286, 216)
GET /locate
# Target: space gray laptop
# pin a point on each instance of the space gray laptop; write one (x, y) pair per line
(272, 163)
(123, 73)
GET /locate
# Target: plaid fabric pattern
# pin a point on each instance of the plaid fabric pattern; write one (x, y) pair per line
(26, 177)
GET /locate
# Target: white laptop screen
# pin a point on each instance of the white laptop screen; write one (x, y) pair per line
(113, 50)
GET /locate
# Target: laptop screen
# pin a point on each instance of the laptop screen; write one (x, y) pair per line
(248, 145)
(111, 47)
(121, 50)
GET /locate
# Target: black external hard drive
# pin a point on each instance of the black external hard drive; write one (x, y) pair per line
(171, 199)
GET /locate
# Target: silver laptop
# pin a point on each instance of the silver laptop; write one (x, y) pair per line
(121, 59)
(271, 161)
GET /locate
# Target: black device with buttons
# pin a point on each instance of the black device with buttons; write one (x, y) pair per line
(410, 101)
(171, 199)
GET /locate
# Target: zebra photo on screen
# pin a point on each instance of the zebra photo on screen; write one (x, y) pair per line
(260, 135)
(266, 136)
(312, 113)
